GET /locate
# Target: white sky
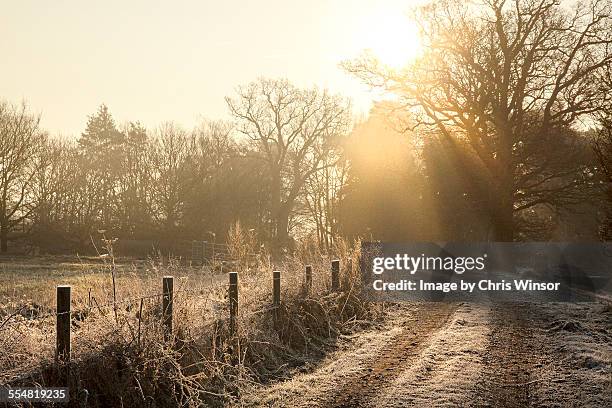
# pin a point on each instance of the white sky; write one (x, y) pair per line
(176, 60)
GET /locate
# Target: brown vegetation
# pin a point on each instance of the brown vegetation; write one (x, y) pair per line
(124, 361)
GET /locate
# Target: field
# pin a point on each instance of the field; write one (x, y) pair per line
(33, 279)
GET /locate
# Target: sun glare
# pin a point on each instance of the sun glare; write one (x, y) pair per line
(392, 38)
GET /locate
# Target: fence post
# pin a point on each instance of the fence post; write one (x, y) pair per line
(62, 351)
(276, 285)
(308, 279)
(233, 302)
(335, 275)
(167, 291)
(63, 323)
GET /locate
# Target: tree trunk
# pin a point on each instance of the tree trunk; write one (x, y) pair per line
(3, 238)
(503, 227)
(278, 226)
(503, 223)
(282, 228)
(504, 210)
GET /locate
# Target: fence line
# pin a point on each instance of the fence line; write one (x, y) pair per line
(4, 325)
(63, 312)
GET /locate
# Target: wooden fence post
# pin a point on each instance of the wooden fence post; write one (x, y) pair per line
(167, 291)
(62, 351)
(335, 275)
(63, 324)
(276, 285)
(233, 302)
(308, 279)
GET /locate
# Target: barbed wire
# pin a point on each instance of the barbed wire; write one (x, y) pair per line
(75, 312)
(196, 293)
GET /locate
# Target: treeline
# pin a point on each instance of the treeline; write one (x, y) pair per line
(169, 184)
(274, 171)
(165, 184)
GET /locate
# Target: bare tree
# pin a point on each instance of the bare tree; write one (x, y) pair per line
(50, 190)
(323, 194)
(171, 160)
(132, 207)
(498, 72)
(20, 140)
(292, 130)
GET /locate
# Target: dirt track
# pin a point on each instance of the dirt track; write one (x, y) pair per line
(485, 355)
(510, 358)
(394, 358)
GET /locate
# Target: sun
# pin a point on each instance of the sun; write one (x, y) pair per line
(392, 38)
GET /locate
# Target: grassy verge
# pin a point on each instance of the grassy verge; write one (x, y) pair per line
(120, 359)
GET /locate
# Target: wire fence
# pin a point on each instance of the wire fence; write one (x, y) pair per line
(148, 318)
(21, 311)
(25, 314)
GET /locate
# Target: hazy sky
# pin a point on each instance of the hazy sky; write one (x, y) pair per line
(176, 60)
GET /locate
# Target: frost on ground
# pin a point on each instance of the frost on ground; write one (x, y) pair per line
(578, 340)
(470, 355)
(354, 356)
(447, 371)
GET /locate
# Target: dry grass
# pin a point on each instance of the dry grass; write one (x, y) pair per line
(120, 359)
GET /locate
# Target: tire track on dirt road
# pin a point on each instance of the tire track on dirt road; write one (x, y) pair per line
(394, 358)
(511, 357)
